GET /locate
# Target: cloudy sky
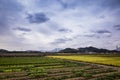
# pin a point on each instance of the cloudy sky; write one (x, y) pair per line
(49, 24)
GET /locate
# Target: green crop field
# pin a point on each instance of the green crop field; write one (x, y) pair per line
(46, 68)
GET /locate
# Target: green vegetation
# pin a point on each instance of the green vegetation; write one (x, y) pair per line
(37, 73)
(45, 68)
(25, 60)
(109, 77)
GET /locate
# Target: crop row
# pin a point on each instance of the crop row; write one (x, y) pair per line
(54, 69)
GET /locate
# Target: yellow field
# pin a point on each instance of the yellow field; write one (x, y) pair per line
(101, 59)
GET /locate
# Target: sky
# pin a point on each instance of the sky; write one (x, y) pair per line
(49, 24)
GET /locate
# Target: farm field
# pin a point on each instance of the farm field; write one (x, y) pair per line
(45, 68)
(101, 59)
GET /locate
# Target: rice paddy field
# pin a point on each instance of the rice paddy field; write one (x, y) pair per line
(101, 59)
(54, 68)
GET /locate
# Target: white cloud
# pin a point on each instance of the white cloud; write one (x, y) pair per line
(80, 19)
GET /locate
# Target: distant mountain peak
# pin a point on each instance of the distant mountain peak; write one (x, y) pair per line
(56, 50)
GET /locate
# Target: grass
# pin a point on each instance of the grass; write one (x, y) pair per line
(101, 59)
(26, 60)
(109, 77)
(33, 67)
(37, 73)
(45, 68)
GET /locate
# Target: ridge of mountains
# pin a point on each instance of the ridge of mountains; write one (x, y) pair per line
(87, 50)
(68, 50)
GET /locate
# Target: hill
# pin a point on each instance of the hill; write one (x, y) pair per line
(87, 50)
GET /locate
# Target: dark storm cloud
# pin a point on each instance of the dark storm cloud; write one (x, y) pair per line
(117, 27)
(100, 5)
(102, 31)
(64, 5)
(97, 34)
(111, 4)
(61, 40)
(22, 29)
(89, 35)
(37, 18)
(8, 9)
(10, 6)
(64, 30)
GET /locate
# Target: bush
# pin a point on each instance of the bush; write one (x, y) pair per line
(87, 75)
(1, 70)
(37, 73)
(78, 73)
(8, 70)
(26, 68)
(64, 77)
(110, 77)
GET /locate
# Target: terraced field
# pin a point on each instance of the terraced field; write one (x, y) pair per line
(45, 68)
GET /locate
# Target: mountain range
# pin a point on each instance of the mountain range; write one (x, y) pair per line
(69, 50)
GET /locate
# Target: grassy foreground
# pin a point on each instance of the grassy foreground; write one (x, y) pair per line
(101, 59)
(45, 68)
